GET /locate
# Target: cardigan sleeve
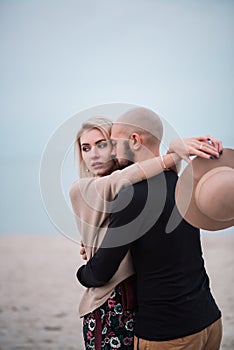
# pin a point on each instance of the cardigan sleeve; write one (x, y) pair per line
(106, 188)
(110, 185)
(97, 193)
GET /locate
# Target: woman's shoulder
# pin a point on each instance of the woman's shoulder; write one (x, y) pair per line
(78, 186)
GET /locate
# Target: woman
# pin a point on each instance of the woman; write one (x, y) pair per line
(108, 311)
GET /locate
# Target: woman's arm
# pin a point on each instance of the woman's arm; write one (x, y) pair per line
(107, 187)
(97, 192)
(91, 197)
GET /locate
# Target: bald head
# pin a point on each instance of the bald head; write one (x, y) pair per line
(140, 130)
(141, 120)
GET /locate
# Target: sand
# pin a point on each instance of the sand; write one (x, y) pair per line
(40, 295)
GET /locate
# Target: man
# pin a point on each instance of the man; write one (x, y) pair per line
(175, 308)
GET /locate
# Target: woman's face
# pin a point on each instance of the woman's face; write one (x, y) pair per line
(96, 152)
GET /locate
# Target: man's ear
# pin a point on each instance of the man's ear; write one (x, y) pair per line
(135, 141)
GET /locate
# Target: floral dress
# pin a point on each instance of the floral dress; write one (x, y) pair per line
(112, 325)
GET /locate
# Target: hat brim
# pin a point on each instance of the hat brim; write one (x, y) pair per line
(186, 187)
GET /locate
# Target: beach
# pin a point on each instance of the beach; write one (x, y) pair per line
(40, 294)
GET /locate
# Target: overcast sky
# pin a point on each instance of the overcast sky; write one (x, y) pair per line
(59, 57)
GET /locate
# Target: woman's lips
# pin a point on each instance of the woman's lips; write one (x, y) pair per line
(96, 165)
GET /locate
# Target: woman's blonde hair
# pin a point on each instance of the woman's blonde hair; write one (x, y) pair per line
(104, 125)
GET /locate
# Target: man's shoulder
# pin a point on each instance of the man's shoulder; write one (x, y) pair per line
(155, 187)
(157, 180)
(136, 194)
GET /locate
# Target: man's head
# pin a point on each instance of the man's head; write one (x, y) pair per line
(136, 135)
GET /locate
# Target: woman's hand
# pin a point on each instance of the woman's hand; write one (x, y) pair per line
(83, 251)
(202, 146)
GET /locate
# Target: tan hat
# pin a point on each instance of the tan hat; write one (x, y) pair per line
(205, 192)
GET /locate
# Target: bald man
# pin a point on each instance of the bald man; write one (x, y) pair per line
(175, 307)
(137, 135)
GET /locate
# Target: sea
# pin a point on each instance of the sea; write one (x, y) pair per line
(22, 209)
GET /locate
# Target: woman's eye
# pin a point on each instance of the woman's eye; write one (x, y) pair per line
(102, 144)
(85, 148)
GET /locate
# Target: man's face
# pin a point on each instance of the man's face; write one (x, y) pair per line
(121, 148)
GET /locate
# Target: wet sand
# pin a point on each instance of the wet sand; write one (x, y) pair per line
(40, 294)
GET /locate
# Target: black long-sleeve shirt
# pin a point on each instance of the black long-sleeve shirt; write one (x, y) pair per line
(173, 293)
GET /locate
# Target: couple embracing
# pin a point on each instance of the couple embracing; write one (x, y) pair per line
(146, 288)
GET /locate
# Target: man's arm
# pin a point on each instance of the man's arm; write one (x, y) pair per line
(102, 266)
(120, 233)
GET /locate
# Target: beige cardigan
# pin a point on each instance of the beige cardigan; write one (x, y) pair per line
(91, 199)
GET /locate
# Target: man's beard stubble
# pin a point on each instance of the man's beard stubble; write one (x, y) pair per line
(129, 157)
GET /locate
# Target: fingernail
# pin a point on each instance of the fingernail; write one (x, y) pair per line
(221, 152)
(212, 157)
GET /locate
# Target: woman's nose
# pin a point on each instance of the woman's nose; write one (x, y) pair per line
(94, 152)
